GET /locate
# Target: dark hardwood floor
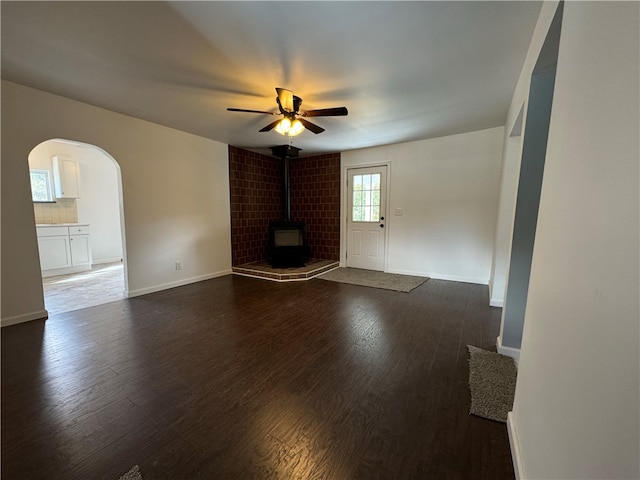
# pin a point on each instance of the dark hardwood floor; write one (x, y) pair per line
(239, 378)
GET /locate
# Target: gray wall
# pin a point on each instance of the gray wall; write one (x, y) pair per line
(534, 151)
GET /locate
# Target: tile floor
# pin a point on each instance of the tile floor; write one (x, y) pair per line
(102, 284)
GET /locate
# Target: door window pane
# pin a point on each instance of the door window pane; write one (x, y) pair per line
(366, 198)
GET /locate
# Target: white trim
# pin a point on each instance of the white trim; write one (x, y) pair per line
(514, 443)
(508, 351)
(54, 272)
(25, 317)
(107, 260)
(178, 283)
(441, 276)
(493, 301)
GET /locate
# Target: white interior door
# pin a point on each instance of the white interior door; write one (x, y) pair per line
(367, 190)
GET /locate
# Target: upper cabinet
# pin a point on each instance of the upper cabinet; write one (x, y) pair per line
(66, 177)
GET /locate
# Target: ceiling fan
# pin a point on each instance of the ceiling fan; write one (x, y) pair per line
(293, 121)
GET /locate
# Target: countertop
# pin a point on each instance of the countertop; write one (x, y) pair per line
(60, 224)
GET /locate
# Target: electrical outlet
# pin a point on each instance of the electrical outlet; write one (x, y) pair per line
(178, 265)
(398, 212)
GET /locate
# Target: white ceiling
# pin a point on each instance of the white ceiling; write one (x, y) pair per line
(405, 70)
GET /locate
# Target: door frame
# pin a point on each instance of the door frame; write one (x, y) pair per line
(344, 208)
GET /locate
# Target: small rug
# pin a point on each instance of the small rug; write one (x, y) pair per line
(133, 474)
(492, 381)
(371, 278)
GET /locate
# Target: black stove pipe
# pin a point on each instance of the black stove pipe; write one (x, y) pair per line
(286, 195)
(286, 153)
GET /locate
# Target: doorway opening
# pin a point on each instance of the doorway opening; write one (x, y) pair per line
(81, 227)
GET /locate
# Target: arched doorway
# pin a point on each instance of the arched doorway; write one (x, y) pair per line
(94, 213)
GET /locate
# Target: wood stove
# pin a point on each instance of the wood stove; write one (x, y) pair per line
(287, 245)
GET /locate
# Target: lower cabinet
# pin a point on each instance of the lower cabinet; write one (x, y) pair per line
(55, 252)
(80, 250)
(64, 249)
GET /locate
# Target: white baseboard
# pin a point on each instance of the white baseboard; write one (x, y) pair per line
(440, 276)
(178, 283)
(25, 317)
(456, 278)
(516, 453)
(65, 271)
(494, 302)
(407, 272)
(106, 260)
(508, 351)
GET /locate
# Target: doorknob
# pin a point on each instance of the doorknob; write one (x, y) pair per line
(382, 225)
(381, 218)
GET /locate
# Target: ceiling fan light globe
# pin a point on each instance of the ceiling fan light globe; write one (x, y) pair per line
(296, 128)
(284, 126)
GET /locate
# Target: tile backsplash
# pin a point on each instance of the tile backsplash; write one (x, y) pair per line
(62, 211)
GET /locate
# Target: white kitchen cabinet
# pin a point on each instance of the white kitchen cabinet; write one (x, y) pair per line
(66, 177)
(64, 249)
(80, 250)
(55, 252)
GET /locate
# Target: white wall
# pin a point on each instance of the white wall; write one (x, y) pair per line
(175, 191)
(99, 204)
(576, 411)
(448, 189)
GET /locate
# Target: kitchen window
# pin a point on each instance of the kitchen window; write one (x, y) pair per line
(41, 190)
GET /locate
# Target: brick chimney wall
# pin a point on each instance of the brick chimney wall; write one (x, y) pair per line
(255, 186)
(256, 183)
(315, 199)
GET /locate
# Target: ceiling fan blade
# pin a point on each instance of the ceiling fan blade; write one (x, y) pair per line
(251, 111)
(269, 127)
(326, 112)
(311, 126)
(297, 101)
(285, 97)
